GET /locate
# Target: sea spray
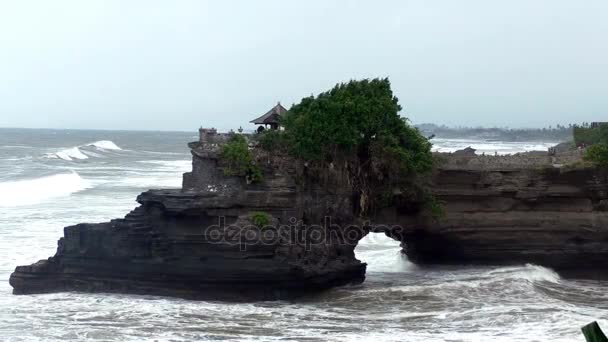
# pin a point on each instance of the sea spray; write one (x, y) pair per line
(34, 191)
(84, 151)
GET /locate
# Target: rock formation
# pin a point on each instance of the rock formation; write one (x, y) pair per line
(550, 216)
(200, 242)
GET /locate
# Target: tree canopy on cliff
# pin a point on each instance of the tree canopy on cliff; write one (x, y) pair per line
(595, 139)
(587, 136)
(238, 159)
(358, 122)
(358, 117)
(597, 154)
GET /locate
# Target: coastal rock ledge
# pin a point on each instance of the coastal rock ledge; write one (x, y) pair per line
(201, 241)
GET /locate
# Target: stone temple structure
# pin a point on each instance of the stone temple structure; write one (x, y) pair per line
(272, 118)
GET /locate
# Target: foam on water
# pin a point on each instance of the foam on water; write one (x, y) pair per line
(182, 165)
(104, 144)
(71, 154)
(517, 281)
(489, 147)
(35, 191)
(153, 174)
(79, 152)
(382, 254)
(529, 272)
(398, 301)
(92, 154)
(14, 146)
(155, 181)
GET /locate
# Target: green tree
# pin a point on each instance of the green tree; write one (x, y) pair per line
(588, 136)
(272, 140)
(359, 122)
(356, 117)
(597, 154)
(239, 160)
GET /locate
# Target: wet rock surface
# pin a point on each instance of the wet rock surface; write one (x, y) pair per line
(200, 241)
(548, 216)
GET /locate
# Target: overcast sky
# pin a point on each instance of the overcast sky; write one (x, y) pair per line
(179, 64)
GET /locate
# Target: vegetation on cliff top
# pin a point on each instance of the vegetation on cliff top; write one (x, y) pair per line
(587, 136)
(597, 154)
(239, 160)
(359, 117)
(596, 138)
(358, 123)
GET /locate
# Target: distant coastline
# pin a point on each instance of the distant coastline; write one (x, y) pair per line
(558, 133)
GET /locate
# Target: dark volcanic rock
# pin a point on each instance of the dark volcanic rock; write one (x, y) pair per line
(468, 151)
(163, 247)
(549, 216)
(199, 242)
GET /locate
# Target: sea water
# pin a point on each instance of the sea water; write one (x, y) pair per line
(53, 178)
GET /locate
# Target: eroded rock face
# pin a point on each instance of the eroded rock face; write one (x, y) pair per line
(547, 216)
(198, 242)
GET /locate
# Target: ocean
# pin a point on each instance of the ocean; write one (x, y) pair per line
(54, 178)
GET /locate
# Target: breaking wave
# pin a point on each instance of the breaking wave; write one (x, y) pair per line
(105, 145)
(512, 280)
(180, 165)
(529, 272)
(81, 152)
(489, 147)
(34, 191)
(71, 154)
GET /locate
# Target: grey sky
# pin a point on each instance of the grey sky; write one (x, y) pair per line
(179, 64)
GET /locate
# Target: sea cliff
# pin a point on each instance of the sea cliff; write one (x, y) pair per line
(548, 216)
(201, 241)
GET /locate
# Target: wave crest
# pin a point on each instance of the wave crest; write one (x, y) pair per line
(34, 191)
(71, 154)
(105, 145)
(530, 272)
(80, 152)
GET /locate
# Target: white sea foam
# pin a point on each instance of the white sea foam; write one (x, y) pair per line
(489, 147)
(71, 154)
(184, 165)
(429, 304)
(104, 144)
(382, 253)
(529, 272)
(34, 191)
(14, 146)
(521, 279)
(152, 181)
(92, 154)
(78, 153)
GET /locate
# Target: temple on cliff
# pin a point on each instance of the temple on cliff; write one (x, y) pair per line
(271, 119)
(201, 241)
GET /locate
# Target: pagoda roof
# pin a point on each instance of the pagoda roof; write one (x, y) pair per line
(272, 116)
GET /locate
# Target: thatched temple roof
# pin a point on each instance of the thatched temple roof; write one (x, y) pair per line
(272, 116)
